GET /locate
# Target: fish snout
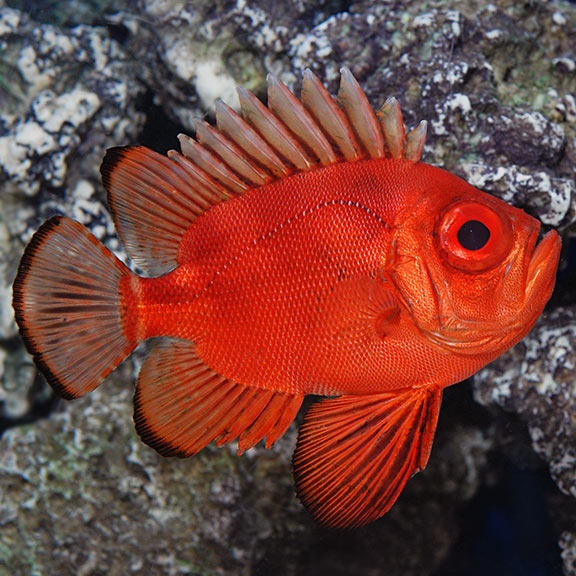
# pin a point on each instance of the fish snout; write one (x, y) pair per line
(542, 268)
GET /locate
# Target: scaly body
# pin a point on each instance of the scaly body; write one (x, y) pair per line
(301, 249)
(283, 288)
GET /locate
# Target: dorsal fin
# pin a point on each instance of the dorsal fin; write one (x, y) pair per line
(353, 101)
(329, 116)
(154, 199)
(316, 130)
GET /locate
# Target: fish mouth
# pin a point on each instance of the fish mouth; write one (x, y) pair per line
(543, 265)
(540, 278)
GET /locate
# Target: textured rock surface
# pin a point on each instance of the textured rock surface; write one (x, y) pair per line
(537, 381)
(78, 492)
(65, 96)
(82, 495)
(68, 90)
(488, 120)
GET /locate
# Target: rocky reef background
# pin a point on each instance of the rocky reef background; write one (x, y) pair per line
(79, 493)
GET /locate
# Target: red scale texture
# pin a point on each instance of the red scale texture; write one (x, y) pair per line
(380, 280)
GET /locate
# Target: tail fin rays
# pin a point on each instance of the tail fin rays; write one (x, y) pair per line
(66, 306)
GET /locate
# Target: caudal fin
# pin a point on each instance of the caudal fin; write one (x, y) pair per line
(66, 304)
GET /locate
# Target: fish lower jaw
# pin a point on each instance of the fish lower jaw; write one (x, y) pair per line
(542, 268)
(463, 341)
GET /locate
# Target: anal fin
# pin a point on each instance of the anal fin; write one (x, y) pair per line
(181, 405)
(355, 453)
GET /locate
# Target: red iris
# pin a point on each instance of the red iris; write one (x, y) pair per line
(474, 236)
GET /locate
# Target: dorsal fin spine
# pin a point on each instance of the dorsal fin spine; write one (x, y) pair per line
(273, 130)
(286, 107)
(390, 117)
(204, 183)
(211, 164)
(415, 140)
(228, 152)
(355, 105)
(203, 198)
(238, 130)
(320, 104)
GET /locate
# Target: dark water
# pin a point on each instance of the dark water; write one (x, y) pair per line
(507, 530)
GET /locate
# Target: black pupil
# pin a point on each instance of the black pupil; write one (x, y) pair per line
(473, 235)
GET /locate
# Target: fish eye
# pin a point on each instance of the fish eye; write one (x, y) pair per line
(474, 236)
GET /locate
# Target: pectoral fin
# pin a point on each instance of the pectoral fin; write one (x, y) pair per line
(355, 453)
(362, 308)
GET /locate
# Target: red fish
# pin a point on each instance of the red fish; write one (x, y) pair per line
(299, 248)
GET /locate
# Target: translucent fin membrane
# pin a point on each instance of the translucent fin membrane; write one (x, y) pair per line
(254, 146)
(275, 132)
(329, 117)
(355, 453)
(393, 127)
(355, 105)
(154, 199)
(266, 143)
(66, 300)
(212, 164)
(181, 405)
(289, 109)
